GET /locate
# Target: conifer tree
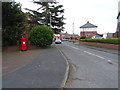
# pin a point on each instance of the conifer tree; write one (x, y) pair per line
(49, 14)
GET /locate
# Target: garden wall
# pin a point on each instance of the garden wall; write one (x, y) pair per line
(102, 45)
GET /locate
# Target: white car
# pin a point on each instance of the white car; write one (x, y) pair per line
(97, 37)
(58, 41)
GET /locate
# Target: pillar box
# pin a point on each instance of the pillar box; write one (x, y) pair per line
(23, 44)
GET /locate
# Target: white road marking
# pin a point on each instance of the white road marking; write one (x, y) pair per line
(94, 54)
(109, 61)
(74, 47)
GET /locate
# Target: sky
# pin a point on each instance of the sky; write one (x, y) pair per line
(102, 13)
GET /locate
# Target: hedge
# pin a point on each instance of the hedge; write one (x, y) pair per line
(109, 40)
(41, 36)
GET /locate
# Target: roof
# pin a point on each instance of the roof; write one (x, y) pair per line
(88, 25)
(69, 34)
(73, 34)
(89, 31)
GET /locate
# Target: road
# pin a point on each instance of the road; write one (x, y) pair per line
(92, 68)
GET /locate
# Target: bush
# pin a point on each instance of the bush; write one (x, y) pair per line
(109, 40)
(82, 37)
(41, 36)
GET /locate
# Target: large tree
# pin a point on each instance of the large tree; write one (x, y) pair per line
(50, 14)
(13, 20)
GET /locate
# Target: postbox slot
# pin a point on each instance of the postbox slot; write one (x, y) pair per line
(23, 42)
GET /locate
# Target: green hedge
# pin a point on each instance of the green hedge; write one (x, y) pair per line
(41, 36)
(109, 40)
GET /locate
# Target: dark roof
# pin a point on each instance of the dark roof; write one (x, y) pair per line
(69, 34)
(73, 34)
(88, 25)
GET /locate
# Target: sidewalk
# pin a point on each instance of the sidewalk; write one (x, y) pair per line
(14, 60)
(47, 70)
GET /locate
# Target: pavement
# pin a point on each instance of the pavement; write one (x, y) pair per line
(34, 69)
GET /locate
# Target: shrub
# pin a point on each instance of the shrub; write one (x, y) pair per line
(71, 38)
(82, 37)
(41, 36)
(109, 40)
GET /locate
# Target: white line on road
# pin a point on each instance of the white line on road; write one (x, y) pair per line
(94, 54)
(74, 47)
(109, 61)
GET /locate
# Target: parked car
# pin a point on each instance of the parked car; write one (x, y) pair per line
(58, 41)
(97, 37)
(64, 39)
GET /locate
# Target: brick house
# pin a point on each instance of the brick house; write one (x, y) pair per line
(88, 30)
(88, 34)
(65, 36)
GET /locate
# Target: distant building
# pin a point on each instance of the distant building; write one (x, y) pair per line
(110, 35)
(56, 35)
(117, 33)
(88, 30)
(65, 35)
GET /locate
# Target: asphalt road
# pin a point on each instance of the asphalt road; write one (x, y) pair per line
(45, 71)
(93, 68)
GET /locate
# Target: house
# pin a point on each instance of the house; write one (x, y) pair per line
(88, 30)
(88, 34)
(110, 35)
(65, 36)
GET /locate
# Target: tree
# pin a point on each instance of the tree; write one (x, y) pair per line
(41, 36)
(49, 14)
(13, 20)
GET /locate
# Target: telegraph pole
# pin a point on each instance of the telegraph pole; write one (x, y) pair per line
(73, 29)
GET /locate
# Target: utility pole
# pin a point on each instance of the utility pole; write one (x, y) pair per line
(50, 19)
(73, 29)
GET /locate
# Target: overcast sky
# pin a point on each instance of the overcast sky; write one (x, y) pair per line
(102, 13)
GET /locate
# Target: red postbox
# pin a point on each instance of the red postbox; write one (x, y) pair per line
(23, 44)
